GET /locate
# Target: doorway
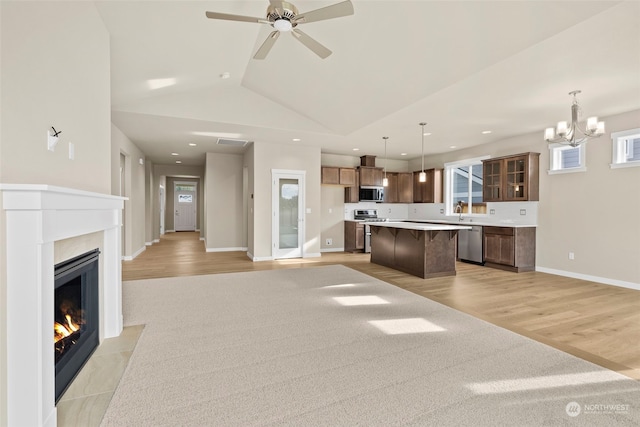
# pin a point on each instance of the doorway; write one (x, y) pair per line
(288, 213)
(185, 206)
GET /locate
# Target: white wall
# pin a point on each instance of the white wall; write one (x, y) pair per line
(224, 202)
(55, 72)
(291, 157)
(134, 209)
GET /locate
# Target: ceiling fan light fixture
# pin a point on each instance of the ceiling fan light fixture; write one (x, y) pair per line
(282, 25)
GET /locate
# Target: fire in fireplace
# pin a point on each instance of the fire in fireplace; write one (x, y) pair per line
(76, 314)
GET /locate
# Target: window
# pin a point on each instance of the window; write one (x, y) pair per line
(565, 158)
(626, 148)
(463, 183)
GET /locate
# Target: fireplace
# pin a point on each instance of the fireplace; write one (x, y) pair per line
(75, 316)
(37, 219)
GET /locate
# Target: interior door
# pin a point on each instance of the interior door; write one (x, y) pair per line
(288, 214)
(185, 207)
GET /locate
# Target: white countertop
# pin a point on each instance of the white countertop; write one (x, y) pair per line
(466, 221)
(418, 226)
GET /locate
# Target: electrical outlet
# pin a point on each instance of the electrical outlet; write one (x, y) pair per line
(441, 211)
(523, 211)
(329, 242)
(572, 256)
(492, 211)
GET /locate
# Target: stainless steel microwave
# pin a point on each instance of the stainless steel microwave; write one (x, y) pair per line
(371, 194)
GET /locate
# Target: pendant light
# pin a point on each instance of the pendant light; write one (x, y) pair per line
(385, 181)
(423, 175)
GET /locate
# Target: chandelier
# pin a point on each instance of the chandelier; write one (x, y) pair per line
(572, 134)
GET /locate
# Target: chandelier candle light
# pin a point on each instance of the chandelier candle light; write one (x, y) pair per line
(385, 181)
(423, 175)
(572, 134)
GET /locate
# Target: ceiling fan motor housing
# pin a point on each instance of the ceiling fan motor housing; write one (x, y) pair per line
(285, 11)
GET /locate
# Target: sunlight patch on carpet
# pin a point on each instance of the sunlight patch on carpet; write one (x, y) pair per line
(544, 382)
(361, 300)
(406, 326)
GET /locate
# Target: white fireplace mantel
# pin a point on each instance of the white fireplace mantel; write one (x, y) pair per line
(36, 217)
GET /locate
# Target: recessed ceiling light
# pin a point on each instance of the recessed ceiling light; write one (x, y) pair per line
(178, 161)
(427, 133)
(175, 154)
(453, 146)
(192, 144)
(296, 139)
(356, 149)
(485, 132)
(225, 75)
(403, 154)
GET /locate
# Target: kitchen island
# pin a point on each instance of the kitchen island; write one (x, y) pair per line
(423, 250)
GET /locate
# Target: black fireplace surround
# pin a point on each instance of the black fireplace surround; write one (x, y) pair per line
(76, 315)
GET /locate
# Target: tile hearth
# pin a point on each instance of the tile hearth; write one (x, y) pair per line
(87, 398)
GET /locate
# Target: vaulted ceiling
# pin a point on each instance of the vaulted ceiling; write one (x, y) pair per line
(463, 67)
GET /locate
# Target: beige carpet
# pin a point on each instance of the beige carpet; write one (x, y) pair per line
(330, 346)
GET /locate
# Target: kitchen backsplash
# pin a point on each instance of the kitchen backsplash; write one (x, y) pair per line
(499, 213)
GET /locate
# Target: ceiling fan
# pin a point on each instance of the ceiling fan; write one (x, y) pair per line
(284, 17)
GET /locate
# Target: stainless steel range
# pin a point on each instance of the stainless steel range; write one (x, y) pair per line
(370, 215)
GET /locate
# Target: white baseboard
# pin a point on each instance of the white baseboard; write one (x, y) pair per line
(253, 258)
(156, 240)
(132, 257)
(148, 243)
(225, 249)
(603, 280)
(332, 250)
(169, 231)
(312, 255)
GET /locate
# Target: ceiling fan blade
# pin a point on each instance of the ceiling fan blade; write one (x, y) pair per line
(334, 11)
(316, 47)
(229, 17)
(267, 45)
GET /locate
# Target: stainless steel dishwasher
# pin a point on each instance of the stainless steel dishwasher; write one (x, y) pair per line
(470, 244)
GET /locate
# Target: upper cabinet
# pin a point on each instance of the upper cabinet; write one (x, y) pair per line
(511, 178)
(370, 176)
(429, 191)
(338, 176)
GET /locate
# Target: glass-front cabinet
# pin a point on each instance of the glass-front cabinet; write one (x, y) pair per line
(492, 181)
(511, 178)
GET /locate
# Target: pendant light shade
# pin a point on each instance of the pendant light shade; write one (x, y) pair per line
(423, 176)
(385, 181)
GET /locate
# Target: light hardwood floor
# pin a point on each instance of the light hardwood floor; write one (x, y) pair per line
(596, 322)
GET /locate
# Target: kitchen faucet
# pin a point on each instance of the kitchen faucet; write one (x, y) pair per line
(458, 210)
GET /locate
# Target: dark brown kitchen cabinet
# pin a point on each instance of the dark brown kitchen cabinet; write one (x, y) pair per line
(330, 175)
(510, 248)
(400, 188)
(405, 187)
(429, 191)
(353, 236)
(347, 176)
(370, 176)
(511, 178)
(338, 176)
(391, 190)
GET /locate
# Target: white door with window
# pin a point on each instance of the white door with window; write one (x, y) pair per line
(185, 206)
(288, 213)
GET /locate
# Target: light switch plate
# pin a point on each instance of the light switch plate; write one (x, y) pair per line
(72, 151)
